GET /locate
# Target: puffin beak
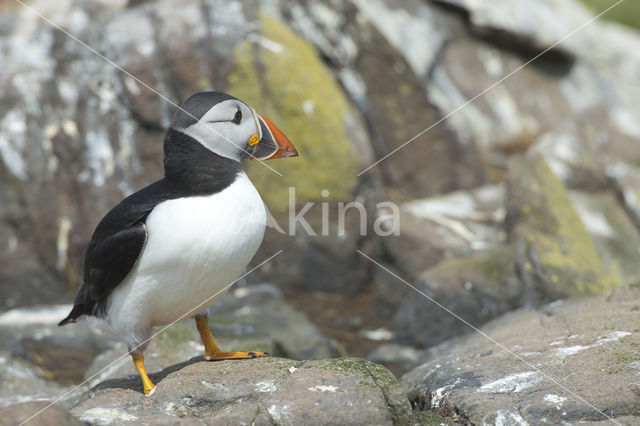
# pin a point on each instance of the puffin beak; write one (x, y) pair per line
(273, 143)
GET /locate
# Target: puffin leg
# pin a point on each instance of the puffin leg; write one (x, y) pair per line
(138, 360)
(212, 351)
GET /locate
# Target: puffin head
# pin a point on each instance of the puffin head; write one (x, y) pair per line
(230, 128)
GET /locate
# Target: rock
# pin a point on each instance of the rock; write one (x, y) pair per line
(302, 263)
(564, 117)
(405, 357)
(613, 232)
(625, 181)
(555, 255)
(23, 381)
(523, 24)
(246, 318)
(20, 412)
(577, 164)
(383, 52)
(477, 289)
(454, 224)
(259, 391)
(61, 354)
(569, 362)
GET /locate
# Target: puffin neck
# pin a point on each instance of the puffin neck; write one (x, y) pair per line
(194, 168)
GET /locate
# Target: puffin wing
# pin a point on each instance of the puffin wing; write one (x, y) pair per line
(110, 259)
(115, 248)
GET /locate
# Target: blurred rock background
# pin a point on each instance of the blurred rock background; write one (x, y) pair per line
(528, 195)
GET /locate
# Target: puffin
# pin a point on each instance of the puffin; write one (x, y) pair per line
(162, 253)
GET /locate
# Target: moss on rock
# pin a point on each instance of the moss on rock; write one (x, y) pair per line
(491, 268)
(284, 80)
(556, 254)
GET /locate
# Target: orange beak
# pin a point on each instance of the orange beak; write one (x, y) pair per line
(273, 143)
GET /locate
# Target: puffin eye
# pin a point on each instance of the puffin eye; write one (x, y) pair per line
(238, 117)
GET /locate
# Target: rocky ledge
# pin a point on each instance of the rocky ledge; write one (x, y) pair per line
(259, 391)
(571, 362)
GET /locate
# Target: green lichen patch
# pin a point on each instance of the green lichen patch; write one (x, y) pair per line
(431, 418)
(491, 268)
(378, 374)
(374, 376)
(285, 81)
(556, 253)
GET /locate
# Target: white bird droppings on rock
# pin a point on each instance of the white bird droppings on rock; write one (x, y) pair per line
(504, 418)
(266, 43)
(106, 416)
(513, 383)
(266, 386)
(292, 369)
(439, 394)
(277, 412)
(377, 334)
(554, 399)
(572, 350)
(323, 388)
(308, 107)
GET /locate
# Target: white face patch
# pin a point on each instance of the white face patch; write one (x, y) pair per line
(216, 131)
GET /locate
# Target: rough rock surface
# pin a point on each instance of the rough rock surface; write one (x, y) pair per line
(570, 362)
(259, 391)
(55, 415)
(554, 253)
(476, 288)
(59, 355)
(614, 234)
(456, 224)
(23, 382)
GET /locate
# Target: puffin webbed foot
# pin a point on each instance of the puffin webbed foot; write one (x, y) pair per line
(220, 356)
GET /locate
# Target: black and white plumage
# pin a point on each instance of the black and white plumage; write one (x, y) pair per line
(169, 247)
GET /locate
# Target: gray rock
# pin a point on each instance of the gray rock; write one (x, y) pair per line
(524, 23)
(554, 254)
(455, 224)
(259, 391)
(383, 52)
(570, 362)
(406, 357)
(20, 412)
(23, 382)
(477, 289)
(614, 234)
(61, 353)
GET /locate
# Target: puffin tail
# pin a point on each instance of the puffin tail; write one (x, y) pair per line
(78, 307)
(77, 311)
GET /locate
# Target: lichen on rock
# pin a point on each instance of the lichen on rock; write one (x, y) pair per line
(259, 391)
(280, 75)
(556, 256)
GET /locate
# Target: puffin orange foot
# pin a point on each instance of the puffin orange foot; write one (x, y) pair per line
(220, 356)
